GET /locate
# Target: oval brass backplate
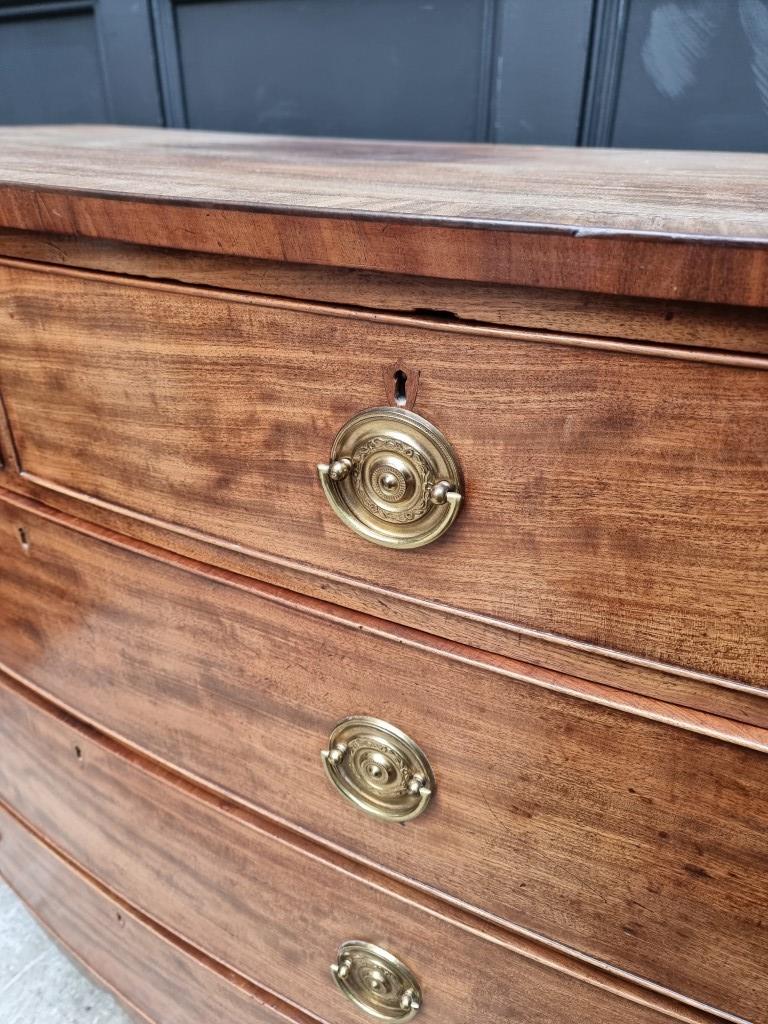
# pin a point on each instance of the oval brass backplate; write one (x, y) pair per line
(376, 981)
(379, 769)
(392, 478)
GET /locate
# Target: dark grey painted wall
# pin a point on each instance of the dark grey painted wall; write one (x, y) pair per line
(668, 73)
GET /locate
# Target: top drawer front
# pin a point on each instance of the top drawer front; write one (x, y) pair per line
(615, 498)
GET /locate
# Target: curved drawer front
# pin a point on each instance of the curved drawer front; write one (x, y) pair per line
(612, 833)
(612, 497)
(275, 913)
(163, 981)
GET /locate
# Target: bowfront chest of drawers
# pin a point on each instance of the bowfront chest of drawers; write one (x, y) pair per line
(383, 595)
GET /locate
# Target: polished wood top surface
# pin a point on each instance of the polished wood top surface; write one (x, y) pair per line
(692, 194)
(614, 221)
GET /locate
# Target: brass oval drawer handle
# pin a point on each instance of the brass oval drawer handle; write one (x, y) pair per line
(393, 478)
(376, 981)
(379, 769)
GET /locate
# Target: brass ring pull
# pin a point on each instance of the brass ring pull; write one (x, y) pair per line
(379, 769)
(376, 981)
(393, 478)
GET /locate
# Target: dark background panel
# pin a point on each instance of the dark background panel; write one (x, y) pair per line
(50, 68)
(645, 73)
(391, 68)
(129, 62)
(541, 63)
(695, 76)
(66, 60)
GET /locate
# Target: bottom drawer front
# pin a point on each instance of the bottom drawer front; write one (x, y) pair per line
(150, 973)
(247, 896)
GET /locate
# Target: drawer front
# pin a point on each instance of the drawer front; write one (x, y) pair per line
(615, 498)
(617, 835)
(273, 912)
(162, 981)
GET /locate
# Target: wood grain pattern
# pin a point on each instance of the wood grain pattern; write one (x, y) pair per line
(731, 328)
(625, 673)
(228, 882)
(615, 499)
(669, 225)
(8, 460)
(635, 841)
(156, 978)
(591, 853)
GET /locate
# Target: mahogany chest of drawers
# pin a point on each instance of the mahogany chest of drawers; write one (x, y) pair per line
(383, 595)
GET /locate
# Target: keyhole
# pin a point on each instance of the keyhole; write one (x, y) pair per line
(23, 540)
(401, 379)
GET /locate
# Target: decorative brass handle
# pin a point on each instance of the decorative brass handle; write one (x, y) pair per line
(379, 769)
(393, 478)
(376, 981)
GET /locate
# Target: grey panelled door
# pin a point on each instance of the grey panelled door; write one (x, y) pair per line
(78, 61)
(680, 73)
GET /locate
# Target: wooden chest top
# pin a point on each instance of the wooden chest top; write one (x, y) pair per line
(684, 225)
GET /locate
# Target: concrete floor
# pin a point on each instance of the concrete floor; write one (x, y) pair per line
(38, 984)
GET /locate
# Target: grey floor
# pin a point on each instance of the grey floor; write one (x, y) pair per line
(38, 984)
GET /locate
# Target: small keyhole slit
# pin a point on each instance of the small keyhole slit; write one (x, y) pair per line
(23, 539)
(401, 379)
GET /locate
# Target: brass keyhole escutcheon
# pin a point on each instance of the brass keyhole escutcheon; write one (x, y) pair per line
(393, 478)
(376, 981)
(379, 769)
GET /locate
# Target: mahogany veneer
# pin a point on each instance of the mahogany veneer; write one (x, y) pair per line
(666, 225)
(614, 497)
(155, 974)
(271, 909)
(590, 820)
(186, 320)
